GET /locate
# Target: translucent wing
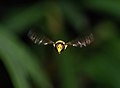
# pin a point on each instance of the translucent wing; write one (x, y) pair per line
(82, 41)
(39, 39)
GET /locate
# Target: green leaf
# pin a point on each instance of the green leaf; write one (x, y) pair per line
(67, 71)
(104, 6)
(20, 62)
(23, 19)
(74, 16)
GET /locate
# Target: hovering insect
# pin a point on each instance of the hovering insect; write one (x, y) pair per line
(60, 45)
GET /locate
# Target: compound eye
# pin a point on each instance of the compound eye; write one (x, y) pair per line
(58, 47)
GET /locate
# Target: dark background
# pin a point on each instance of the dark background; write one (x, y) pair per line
(25, 65)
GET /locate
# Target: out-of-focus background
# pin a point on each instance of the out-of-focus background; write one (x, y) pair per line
(26, 65)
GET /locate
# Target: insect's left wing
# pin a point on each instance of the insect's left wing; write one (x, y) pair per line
(82, 41)
(39, 39)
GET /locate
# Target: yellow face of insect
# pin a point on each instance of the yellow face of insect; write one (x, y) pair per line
(59, 48)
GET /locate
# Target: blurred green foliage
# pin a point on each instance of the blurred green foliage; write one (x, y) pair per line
(29, 65)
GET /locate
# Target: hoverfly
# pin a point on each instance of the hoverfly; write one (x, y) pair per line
(60, 45)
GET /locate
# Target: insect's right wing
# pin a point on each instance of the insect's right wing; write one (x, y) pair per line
(39, 39)
(82, 41)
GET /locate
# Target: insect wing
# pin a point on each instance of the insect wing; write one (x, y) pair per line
(39, 39)
(82, 41)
